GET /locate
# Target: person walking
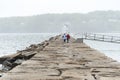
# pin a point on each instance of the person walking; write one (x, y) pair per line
(68, 38)
(64, 37)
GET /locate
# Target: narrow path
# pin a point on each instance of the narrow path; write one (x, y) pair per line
(66, 61)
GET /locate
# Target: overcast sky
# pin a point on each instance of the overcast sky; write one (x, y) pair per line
(32, 7)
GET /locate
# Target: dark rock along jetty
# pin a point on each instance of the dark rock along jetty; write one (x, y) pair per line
(55, 60)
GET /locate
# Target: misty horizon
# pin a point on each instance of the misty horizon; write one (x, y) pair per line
(98, 21)
(60, 13)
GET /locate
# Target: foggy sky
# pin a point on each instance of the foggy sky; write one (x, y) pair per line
(33, 7)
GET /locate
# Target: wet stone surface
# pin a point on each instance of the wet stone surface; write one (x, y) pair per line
(64, 61)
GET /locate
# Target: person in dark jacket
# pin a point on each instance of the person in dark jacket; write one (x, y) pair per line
(68, 38)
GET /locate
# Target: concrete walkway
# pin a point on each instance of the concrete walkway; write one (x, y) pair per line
(66, 61)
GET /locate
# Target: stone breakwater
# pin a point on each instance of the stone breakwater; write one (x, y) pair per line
(55, 60)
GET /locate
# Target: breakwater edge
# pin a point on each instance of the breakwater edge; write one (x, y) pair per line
(55, 60)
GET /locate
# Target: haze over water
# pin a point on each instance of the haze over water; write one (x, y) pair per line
(10, 43)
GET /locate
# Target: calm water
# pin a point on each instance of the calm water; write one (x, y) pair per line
(10, 43)
(109, 49)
